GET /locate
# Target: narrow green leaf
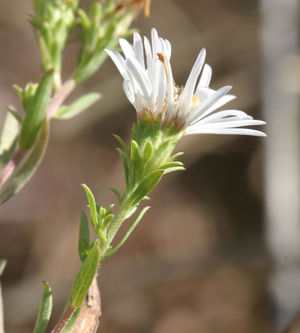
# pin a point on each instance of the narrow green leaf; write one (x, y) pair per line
(125, 165)
(36, 112)
(171, 164)
(3, 263)
(128, 233)
(85, 276)
(117, 194)
(28, 167)
(11, 109)
(121, 142)
(9, 137)
(176, 155)
(92, 205)
(80, 105)
(146, 186)
(44, 310)
(173, 169)
(84, 236)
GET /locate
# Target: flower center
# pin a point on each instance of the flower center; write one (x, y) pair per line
(195, 99)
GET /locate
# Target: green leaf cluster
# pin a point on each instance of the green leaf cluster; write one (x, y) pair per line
(53, 22)
(147, 157)
(101, 26)
(56, 23)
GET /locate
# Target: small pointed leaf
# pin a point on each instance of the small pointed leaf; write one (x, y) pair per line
(176, 155)
(128, 233)
(173, 169)
(92, 205)
(117, 194)
(11, 109)
(171, 164)
(44, 310)
(122, 143)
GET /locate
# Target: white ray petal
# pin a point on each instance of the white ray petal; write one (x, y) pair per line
(148, 52)
(235, 131)
(126, 48)
(128, 90)
(226, 114)
(190, 85)
(208, 105)
(231, 123)
(205, 77)
(139, 75)
(155, 42)
(119, 62)
(138, 48)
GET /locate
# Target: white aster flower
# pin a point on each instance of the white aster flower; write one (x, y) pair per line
(149, 86)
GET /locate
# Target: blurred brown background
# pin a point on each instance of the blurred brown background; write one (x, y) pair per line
(197, 262)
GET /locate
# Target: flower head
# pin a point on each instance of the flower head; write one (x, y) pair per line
(149, 86)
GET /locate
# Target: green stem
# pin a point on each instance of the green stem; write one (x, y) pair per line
(117, 222)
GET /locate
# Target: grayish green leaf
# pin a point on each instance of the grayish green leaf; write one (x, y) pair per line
(80, 105)
(85, 276)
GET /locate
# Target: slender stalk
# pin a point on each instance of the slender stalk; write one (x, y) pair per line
(117, 222)
(60, 96)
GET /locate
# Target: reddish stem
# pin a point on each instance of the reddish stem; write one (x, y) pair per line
(64, 319)
(60, 96)
(10, 166)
